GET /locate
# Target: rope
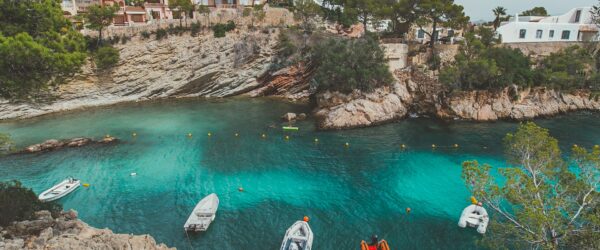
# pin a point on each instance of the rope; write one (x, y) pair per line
(188, 238)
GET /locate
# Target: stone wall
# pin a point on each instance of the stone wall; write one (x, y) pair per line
(397, 55)
(541, 49)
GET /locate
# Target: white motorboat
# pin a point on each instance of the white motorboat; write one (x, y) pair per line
(60, 190)
(298, 237)
(204, 213)
(474, 216)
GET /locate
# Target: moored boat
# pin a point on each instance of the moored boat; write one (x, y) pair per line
(60, 190)
(375, 244)
(203, 214)
(474, 216)
(298, 237)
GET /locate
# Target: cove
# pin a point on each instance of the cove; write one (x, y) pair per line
(348, 192)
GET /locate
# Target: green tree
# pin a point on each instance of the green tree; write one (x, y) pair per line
(18, 203)
(439, 12)
(400, 13)
(6, 143)
(569, 68)
(305, 10)
(499, 12)
(99, 17)
(541, 201)
(363, 10)
(183, 7)
(38, 46)
(347, 64)
(536, 11)
(106, 57)
(204, 11)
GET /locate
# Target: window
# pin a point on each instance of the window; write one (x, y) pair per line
(577, 16)
(538, 34)
(522, 33)
(551, 34)
(566, 34)
(421, 34)
(450, 33)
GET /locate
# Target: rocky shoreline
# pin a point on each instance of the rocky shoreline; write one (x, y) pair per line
(416, 94)
(240, 65)
(54, 144)
(65, 231)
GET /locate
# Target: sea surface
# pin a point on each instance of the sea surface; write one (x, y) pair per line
(349, 192)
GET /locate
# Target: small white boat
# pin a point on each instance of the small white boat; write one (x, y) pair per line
(298, 237)
(203, 214)
(474, 216)
(60, 190)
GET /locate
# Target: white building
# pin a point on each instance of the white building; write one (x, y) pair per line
(575, 25)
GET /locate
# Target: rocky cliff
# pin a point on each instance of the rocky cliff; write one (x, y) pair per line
(67, 232)
(416, 93)
(178, 66)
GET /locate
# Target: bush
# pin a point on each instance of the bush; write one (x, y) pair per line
(18, 203)
(348, 64)
(195, 29)
(230, 26)
(145, 34)
(160, 34)
(106, 57)
(571, 68)
(219, 30)
(6, 143)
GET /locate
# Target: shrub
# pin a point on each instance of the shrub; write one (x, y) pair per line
(347, 64)
(19, 203)
(145, 34)
(160, 34)
(230, 26)
(106, 57)
(219, 30)
(125, 39)
(195, 29)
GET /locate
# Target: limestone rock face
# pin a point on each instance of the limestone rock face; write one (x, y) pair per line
(54, 144)
(66, 232)
(178, 66)
(336, 110)
(525, 104)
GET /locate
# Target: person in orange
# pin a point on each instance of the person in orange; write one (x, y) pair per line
(374, 241)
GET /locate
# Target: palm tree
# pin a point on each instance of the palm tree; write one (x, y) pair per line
(498, 12)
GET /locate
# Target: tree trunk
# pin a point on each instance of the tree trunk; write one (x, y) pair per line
(99, 36)
(365, 21)
(433, 35)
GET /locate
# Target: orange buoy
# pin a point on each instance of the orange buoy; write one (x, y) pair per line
(305, 219)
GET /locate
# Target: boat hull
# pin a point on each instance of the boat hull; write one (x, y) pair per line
(69, 187)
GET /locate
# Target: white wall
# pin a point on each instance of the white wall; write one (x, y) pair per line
(510, 32)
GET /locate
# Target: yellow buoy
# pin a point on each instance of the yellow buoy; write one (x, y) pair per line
(236, 134)
(241, 189)
(473, 200)
(287, 137)
(575, 145)
(433, 146)
(86, 184)
(455, 145)
(134, 134)
(209, 134)
(189, 134)
(316, 140)
(347, 144)
(107, 136)
(264, 136)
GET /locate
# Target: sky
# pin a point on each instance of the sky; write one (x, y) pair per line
(482, 9)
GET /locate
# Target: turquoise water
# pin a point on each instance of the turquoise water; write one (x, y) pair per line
(349, 193)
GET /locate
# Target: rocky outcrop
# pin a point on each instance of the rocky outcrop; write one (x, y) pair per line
(54, 144)
(65, 231)
(179, 66)
(357, 109)
(515, 104)
(419, 94)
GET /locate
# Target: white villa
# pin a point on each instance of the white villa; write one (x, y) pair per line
(574, 26)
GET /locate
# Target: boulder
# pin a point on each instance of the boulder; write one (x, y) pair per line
(288, 117)
(301, 116)
(78, 142)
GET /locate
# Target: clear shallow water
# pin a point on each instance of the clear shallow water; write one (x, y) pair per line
(349, 193)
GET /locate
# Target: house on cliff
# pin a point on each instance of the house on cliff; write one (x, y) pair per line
(574, 26)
